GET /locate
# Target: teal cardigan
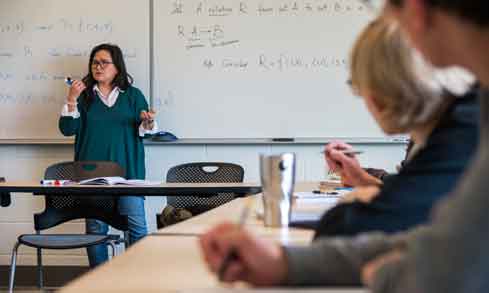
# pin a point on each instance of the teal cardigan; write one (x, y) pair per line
(110, 133)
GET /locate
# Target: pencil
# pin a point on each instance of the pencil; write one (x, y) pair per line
(233, 254)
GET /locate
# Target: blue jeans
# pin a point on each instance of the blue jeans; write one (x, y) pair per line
(133, 207)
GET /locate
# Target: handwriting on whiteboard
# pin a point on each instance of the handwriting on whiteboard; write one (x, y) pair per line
(271, 8)
(61, 25)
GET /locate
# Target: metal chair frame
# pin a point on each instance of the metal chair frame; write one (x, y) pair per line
(60, 209)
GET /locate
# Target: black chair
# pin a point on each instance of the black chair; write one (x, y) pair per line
(60, 209)
(4, 197)
(203, 172)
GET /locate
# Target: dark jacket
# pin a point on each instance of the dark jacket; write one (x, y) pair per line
(406, 199)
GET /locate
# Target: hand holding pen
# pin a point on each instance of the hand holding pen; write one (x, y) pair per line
(232, 255)
(237, 255)
(336, 147)
(341, 159)
(76, 88)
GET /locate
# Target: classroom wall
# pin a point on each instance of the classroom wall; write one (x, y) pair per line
(27, 162)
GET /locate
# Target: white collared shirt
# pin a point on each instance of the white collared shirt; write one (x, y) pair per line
(109, 101)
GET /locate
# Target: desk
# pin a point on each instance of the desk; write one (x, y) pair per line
(156, 264)
(170, 260)
(164, 189)
(201, 223)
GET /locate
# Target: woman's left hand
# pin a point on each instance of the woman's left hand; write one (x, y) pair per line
(147, 118)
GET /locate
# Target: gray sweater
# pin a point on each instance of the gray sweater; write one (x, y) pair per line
(449, 255)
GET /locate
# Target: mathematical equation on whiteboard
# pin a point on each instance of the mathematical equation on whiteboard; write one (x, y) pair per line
(57, 26)
(264, 8)
(24, 30)
(30, 50)
(281, 63)
(216, 35)
(222, 35)
(8, 98)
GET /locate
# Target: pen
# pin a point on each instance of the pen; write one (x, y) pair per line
(343, 188)
(55, 182)
(233, 254)
(327, 192)
(348, 152)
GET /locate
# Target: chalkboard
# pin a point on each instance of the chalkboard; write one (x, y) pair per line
(42, 42)
(258, 69)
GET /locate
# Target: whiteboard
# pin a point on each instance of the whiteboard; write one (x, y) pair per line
(258, 68)
(43, 41)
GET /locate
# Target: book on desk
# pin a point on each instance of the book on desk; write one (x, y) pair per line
(117, 180)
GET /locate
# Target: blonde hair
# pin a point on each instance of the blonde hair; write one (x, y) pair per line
(410, 90)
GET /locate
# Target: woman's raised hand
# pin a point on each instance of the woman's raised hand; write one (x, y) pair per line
(77, 87)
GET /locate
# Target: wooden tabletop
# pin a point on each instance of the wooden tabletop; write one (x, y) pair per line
(173, 262)
(157, 264)
(200, 224)
(170, 260)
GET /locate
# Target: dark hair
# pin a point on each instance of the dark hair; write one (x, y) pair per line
(475, 11)
(122, 80)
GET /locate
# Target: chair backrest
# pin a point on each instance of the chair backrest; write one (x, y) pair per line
(4, 197)
(203, 172)
(60, 209)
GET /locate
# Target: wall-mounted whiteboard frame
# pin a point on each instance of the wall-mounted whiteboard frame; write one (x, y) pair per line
(272, 71)
(42, 42)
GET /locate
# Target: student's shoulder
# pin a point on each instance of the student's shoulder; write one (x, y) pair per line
(461, 118)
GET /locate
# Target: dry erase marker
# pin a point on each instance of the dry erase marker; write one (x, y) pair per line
(68, 81)
(55, 182)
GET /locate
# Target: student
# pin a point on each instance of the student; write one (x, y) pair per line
(449, 255)
(108, 117)
(386, 72)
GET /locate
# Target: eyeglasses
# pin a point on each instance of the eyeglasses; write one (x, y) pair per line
(103, 63)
